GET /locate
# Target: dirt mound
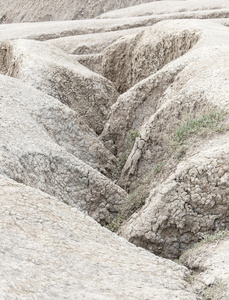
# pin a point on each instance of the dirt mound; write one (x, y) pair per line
(207, 259)
(190, 203)
(50, 10)
(184, 8)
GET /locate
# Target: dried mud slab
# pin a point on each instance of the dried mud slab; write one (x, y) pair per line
(56, 251)
(209, 262)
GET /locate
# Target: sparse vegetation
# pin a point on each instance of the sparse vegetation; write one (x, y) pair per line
(190, 278)
(214, 291)
(211, 122)
(220, 235)
(205, 124)
(211, 238)
(131, 137)
(136, 199)
(158, 167)
(181, 151)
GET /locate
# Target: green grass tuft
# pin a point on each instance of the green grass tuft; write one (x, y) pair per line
(211, 238)
(211, 122)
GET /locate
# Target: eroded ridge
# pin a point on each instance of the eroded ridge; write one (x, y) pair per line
(44, 144)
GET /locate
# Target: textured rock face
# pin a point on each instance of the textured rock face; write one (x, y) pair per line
(44, 144)
(91, 61)
(134, 107)
(88, 48)
(55, 73)
(167, 94)
(49, 250)
(140, 102)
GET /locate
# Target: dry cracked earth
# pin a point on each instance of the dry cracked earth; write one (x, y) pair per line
(114, 150)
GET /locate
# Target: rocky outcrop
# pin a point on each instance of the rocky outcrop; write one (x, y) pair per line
(52, 71)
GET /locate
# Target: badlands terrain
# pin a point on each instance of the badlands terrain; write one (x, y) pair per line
(114, 150)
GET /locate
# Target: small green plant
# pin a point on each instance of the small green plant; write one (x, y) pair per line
(200, 125)
(131, 137)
